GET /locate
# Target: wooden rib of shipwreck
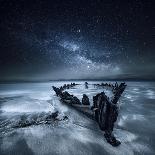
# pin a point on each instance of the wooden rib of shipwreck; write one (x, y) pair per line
(104, 110)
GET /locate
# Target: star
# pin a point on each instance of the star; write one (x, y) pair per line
(78, 30)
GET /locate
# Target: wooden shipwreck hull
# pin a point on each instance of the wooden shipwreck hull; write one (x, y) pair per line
(104, 110)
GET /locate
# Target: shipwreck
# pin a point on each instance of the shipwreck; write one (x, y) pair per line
(104, 109)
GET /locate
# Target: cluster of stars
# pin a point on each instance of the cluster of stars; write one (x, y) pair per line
(98, 38)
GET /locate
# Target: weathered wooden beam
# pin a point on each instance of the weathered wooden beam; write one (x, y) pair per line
(104, 110)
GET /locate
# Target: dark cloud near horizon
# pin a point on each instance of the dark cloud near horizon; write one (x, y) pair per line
(43, 39)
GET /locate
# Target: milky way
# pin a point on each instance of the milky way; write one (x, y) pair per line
(77, 40)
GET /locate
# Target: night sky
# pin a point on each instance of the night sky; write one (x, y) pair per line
(95, 39)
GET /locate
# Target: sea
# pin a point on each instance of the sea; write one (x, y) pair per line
(78, 135)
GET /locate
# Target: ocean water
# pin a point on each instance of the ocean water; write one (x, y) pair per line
(78, 135)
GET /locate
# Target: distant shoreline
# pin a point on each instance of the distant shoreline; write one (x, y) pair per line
(68, 80)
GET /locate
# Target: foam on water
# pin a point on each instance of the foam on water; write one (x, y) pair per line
(130, 117)
(26, 105)
(150, 94)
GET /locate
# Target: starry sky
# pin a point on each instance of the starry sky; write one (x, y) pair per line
(83, 39)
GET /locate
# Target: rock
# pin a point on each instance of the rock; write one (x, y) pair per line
(65, 117)
(55, 114)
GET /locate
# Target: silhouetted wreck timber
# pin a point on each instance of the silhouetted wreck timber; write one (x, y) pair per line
(85, 100)
(104, 110)
(86, 85)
